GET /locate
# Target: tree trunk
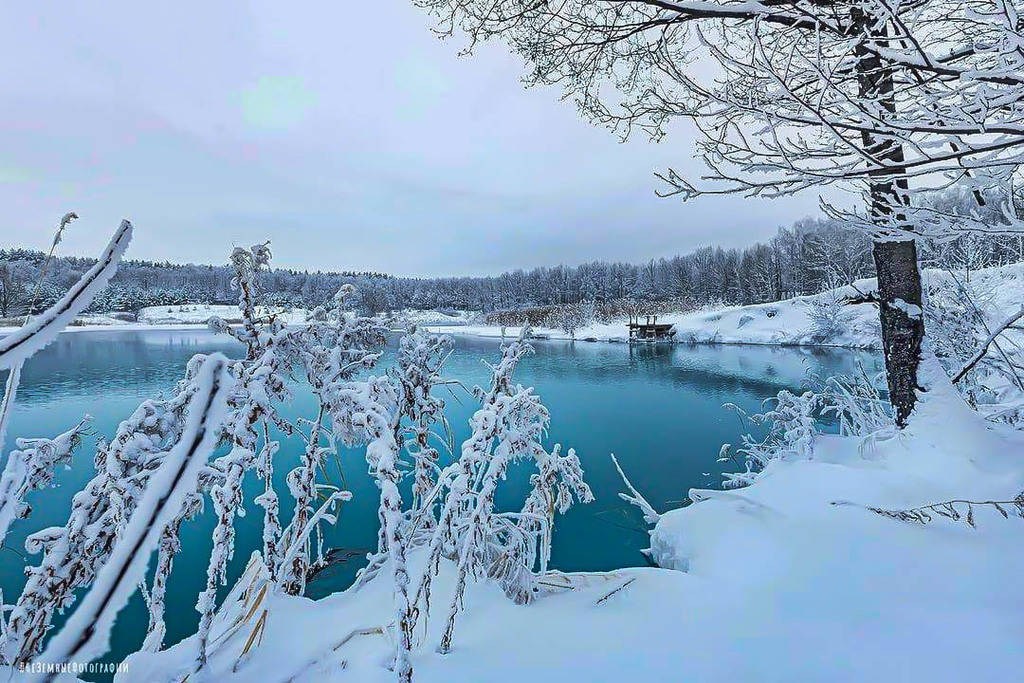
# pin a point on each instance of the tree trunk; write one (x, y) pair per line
(899, 280)
(900, 302)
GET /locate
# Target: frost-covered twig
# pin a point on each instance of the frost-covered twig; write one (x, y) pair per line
(85, 636)
(29, 339)
(57, 237)
(418, 371)
(369, 412)
(634, 497)
(10, 392)
(956, 510)
(983, 348)
(32, 465)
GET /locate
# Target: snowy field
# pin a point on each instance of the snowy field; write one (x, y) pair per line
(790, 579)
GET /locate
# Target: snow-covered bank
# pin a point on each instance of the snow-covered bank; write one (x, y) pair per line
(818, 320)
(770, 582)
(190, 316)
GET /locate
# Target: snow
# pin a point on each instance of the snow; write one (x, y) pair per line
(187, 316)
(28, 339)
(434, 317)
(200, 314)
(789, 322)
(774, 581)
(85, 636)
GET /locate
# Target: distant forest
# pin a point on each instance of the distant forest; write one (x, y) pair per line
(808, 257)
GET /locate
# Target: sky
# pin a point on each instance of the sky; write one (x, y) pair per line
(345, 133)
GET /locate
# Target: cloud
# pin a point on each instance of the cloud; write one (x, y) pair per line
(383, 150)
(276, 103)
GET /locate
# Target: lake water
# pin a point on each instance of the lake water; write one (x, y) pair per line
(657, 407)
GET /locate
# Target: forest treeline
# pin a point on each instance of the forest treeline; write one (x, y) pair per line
(807, 257)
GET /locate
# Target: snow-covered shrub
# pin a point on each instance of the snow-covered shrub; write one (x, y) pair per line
(829, 315)
(791, 422)
(569, 318)
(979, 345)
(745, 319)
(856, 403)
(791, 427)
(421, 356)
(452, 514)
(508, 547)
(326, 353)
(456, 518)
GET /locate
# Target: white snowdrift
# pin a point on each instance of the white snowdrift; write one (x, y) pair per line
(767, 583)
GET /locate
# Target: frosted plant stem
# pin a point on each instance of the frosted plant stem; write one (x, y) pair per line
(86, 635)
(11, 389)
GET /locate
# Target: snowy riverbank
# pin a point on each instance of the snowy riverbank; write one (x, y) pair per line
(819, 320)
(770, 582)
(191, 316)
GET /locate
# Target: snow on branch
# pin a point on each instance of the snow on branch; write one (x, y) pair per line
(634, 497)
(31, 338)
(22, 344)
(956, 510)
(983, 348)
(86, 634)
(32, 467)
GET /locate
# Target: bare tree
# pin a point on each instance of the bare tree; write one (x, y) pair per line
(13, 287)
(885, 97)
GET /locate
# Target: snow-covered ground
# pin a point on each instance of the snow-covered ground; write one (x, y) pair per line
(190, 315)
(790, 322)
(442, 318)
(773, 582)
(200, 314)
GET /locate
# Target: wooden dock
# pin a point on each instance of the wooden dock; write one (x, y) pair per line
(649, 330)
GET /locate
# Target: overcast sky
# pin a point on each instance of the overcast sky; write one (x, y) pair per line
(345, 133)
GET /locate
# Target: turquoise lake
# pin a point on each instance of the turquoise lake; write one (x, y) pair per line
(657, 407)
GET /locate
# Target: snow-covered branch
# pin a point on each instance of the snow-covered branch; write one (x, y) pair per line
(18, 346)
(85, 636)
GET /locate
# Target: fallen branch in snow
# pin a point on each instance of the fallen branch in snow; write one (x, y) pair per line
(923, 513)
(616, 590)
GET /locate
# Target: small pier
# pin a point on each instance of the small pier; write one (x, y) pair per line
(649, 329)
